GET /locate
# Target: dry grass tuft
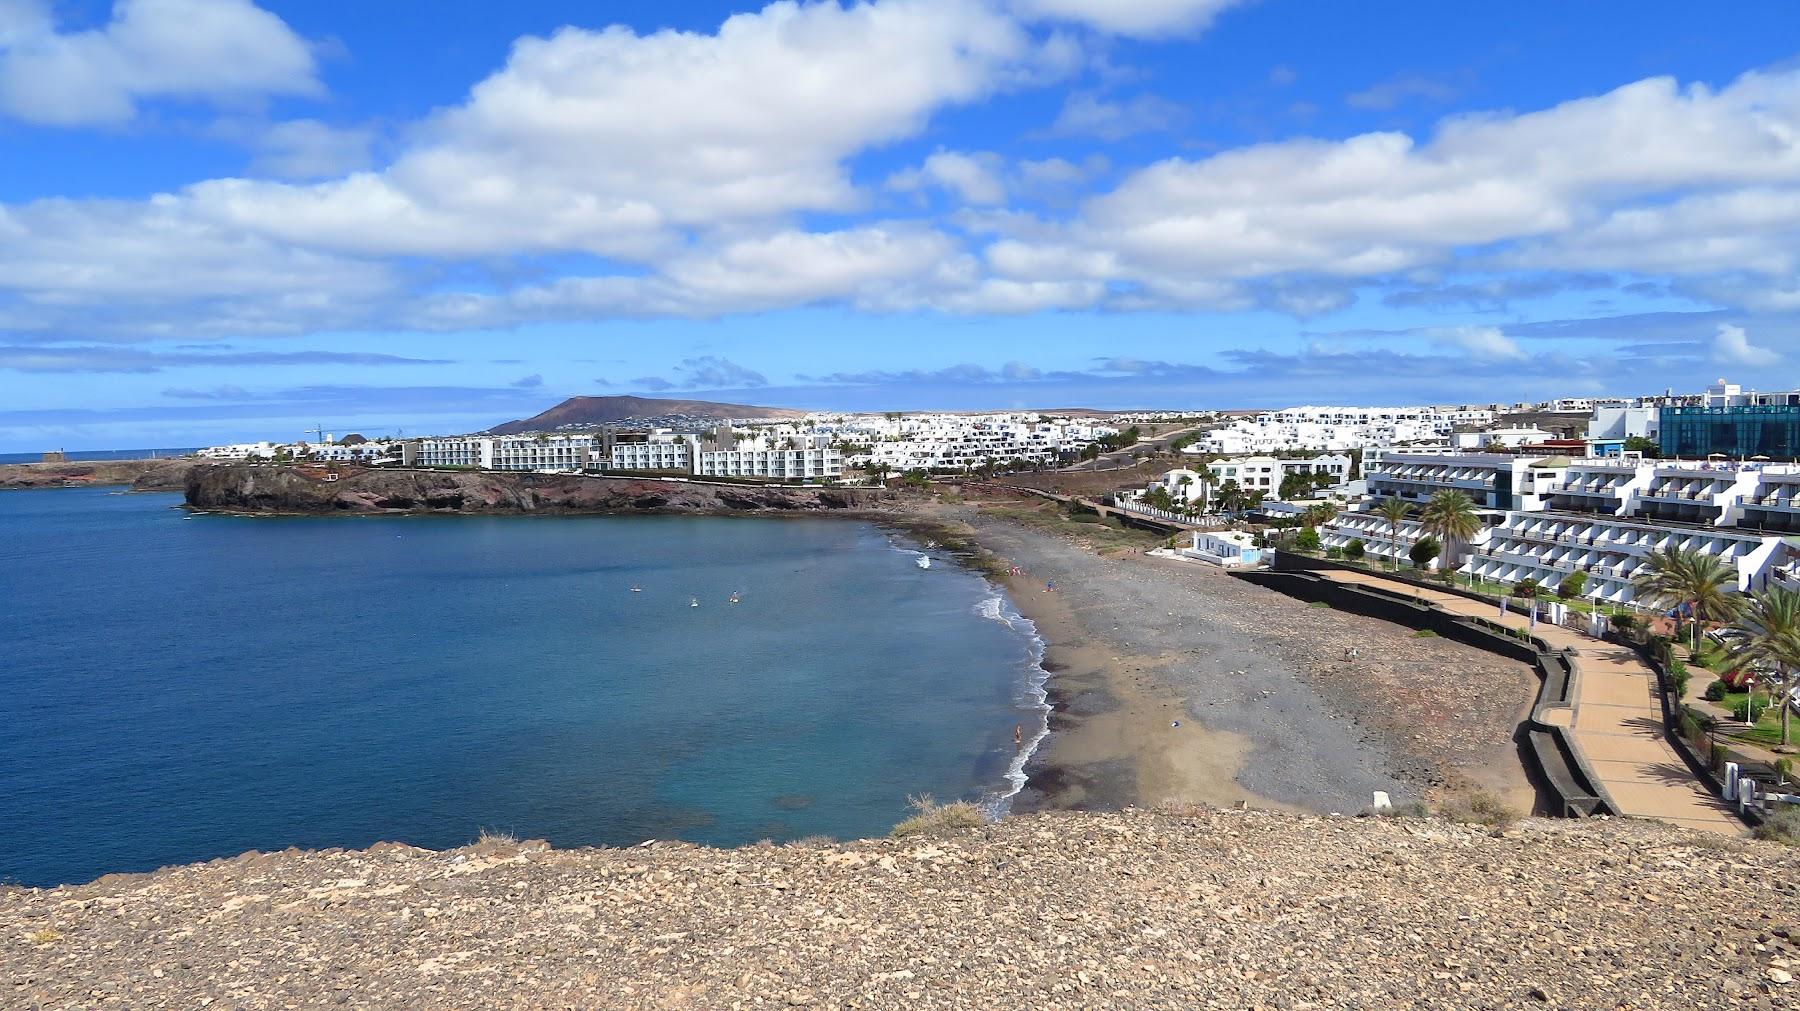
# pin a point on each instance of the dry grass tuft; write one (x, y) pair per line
(931, 818)
(1783, 826)
(43, 938)
(1479, 809)
(495, 837)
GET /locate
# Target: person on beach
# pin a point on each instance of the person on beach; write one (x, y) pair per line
(1018, 735)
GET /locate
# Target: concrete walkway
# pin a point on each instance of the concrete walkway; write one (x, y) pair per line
(1617, 719)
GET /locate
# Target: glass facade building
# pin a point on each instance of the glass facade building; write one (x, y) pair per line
(1771, 430)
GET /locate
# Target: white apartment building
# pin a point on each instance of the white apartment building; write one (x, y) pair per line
(454, 451)
(239, 451)
(1491, 480)
(1548, 547)
(967, 441)
(1598, 515)
(1617, 422)
(1511, 438)
(722, 455)
(1183, 485)
(764, 461)
(1266, 473)
(1381, 543)
(655, 451)
(1339, 428)
(544, 452)
(523, 452)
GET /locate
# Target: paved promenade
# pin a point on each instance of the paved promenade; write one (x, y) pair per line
(1617, 720)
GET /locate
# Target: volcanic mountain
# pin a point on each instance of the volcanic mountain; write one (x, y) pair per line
(580, 412)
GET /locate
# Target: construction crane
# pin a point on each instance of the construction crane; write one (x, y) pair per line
(318, 431)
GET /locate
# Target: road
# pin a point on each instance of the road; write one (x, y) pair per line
(1120, 459)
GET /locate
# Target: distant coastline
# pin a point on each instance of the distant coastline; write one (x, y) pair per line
(139, 474)
(93, 455)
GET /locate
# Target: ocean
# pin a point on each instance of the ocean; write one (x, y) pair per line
(90, 455)
(180, 688)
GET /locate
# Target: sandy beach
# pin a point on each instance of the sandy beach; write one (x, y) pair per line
(1172, 682)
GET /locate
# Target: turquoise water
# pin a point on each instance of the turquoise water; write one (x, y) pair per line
(184, 688)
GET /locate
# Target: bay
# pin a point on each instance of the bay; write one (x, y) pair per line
(178, 688)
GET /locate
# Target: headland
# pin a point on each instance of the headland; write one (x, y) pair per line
(302, 491)
(138, 475)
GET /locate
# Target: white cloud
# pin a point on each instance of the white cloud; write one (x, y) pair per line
(1649, 177)
(699, 209)
(1137, 18)
(976, 178)
(309, 149)
(1085, 114)
(1732, 346)
(1483, 342)
(218, 50)
(556, 151)
(1396, 90)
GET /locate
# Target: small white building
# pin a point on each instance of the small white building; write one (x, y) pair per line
(1511, 438)
(1224, 548)
(1184, 486)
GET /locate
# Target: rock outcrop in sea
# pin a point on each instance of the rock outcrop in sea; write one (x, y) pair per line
(1212, 909)
(317, 490)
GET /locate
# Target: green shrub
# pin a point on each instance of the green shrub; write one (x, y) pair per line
(1572, 585)
(1424, 550)
(1355, 549)
(1715, 692)
(1334, 552)
(1527, 588)
(1688, 726)
(931, 818)
(1425, 633)
(1307, 539)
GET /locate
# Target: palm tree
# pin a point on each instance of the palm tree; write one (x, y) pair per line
(1230, 498)
(1393, 510)
(1771, 628)
(1451, 517)
(1318, 515)
(1702, 582)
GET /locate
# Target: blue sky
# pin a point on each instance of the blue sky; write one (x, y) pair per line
(224, 220)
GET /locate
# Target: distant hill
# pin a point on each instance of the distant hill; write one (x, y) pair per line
(588, 411)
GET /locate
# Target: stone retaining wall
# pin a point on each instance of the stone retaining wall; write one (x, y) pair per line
(1551, 756)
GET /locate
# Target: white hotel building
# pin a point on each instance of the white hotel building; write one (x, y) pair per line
(720, 454)
(1547, 518)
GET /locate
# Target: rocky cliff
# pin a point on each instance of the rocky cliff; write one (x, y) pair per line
(1207, 909)
(306, 490)
(141, 475)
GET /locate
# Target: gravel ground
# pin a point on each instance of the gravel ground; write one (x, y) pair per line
(1416, 717)
(1217, 909)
